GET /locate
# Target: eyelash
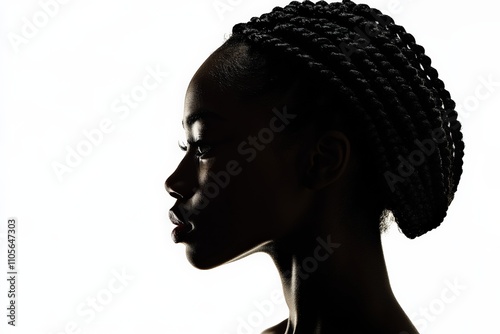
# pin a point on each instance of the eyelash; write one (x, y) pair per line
(196, 145)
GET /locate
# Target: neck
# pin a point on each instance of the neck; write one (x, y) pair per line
(335, 279)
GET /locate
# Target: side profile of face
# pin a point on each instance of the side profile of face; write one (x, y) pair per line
(237, 188)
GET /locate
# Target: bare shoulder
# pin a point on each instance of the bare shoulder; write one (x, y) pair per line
(277, 329)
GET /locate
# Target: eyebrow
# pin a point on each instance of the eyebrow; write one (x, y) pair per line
(202, 114)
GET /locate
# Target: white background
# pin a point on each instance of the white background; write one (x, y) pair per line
(109, 214)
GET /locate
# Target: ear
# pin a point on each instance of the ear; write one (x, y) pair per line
(327, 160)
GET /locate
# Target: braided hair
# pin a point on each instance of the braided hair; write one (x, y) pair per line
(356, 62)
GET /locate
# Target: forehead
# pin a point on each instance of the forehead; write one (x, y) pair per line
(216, 89)
(220, 71)
(204, 98)
(210, 93)
(203, 88)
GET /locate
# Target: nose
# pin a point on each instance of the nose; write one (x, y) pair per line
(180, 184)
(169, 186)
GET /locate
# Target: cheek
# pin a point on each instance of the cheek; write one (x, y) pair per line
(268, 194)
(257, 198)
(241, 211)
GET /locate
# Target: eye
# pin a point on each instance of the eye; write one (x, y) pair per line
(182, 145)
(200, 147)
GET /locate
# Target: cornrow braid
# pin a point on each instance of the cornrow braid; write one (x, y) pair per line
(375, 75)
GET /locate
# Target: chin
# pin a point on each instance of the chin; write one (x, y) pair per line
(204, 259)
(217, 254)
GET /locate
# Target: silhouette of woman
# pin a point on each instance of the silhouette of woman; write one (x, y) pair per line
(305, 130)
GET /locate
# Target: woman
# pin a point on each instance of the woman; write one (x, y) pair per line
(305, 130)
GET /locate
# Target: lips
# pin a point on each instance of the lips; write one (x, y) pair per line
(174, 219)
(182, 229)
